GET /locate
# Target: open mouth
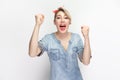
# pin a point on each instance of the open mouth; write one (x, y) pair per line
(62, 27)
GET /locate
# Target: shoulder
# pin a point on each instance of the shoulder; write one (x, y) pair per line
(77, 40)
(48, 36)
(76, 35)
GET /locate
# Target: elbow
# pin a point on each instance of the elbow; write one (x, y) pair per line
(86, 63)
(31, 54)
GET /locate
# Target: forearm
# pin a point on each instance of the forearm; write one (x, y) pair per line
(87, 51)
(33, 44)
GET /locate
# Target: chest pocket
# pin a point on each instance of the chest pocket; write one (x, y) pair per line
(54, 54)
(75, 52)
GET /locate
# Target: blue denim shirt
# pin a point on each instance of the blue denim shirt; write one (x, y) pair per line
(64, 63)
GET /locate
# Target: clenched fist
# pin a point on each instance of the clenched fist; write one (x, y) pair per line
(85, 31)
(39, 18)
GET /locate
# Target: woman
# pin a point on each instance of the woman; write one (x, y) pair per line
(63, 47)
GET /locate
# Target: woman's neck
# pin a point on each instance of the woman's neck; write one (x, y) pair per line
(62, 36)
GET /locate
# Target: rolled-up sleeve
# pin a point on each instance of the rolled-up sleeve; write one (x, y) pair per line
(43, 44)
(80, 46)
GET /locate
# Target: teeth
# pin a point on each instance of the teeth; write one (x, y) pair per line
(62, 26)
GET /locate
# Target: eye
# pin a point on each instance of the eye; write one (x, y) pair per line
(66, 17)
(57, 17)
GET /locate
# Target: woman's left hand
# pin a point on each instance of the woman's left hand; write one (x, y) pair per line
(85, 31)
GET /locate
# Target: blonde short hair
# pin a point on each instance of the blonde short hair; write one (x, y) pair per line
(63, 10)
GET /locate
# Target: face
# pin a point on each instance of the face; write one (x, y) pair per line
(62, 22)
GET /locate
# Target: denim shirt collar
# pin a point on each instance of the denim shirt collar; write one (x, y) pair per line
(58, 41)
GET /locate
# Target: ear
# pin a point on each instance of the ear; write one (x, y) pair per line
(70, 22)
(54, 22)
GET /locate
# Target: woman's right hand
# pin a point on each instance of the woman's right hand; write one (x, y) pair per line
(39, 18)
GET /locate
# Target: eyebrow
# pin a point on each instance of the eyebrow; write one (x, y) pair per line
(60, 15)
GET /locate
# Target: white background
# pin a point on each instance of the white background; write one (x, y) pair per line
(17, 23)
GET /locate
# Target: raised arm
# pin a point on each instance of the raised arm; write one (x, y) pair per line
(34, 50)
(87, 50)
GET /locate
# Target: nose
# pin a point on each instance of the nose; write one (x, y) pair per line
(62, 20)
